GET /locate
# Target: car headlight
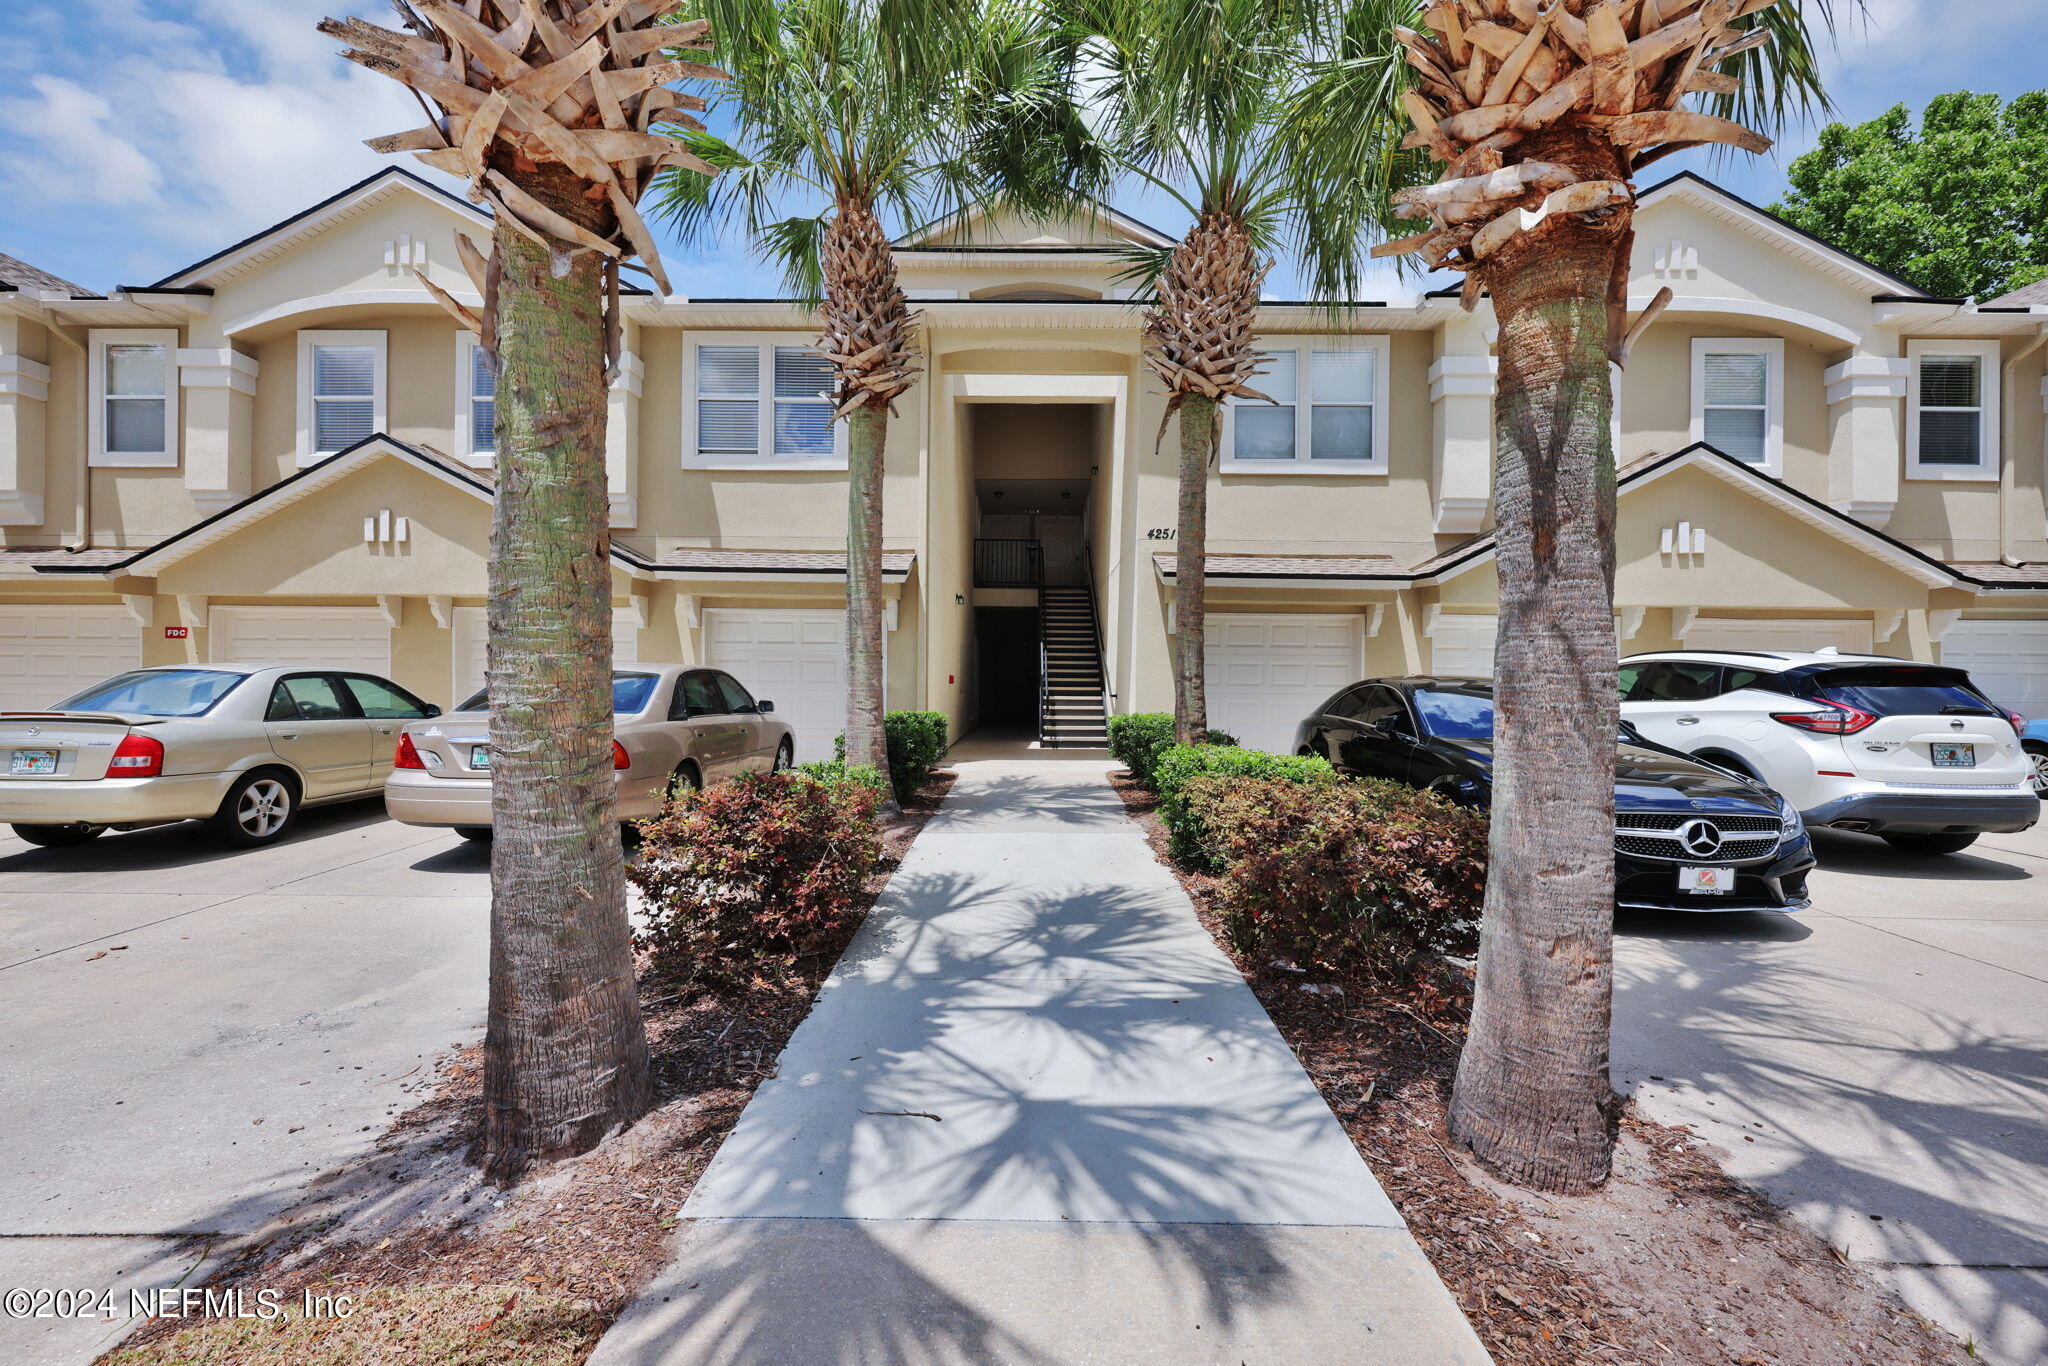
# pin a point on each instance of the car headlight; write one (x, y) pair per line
(1791, 825)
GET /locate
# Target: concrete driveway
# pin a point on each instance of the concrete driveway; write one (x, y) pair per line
(1879, 1065)
(188, 1034)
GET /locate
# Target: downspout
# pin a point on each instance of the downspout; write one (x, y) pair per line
(2008, 446)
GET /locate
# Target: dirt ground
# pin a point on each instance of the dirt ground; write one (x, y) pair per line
(1670, 1264)
(450, 1271)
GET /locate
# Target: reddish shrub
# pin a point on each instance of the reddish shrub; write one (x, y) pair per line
(744, 877)
(1356, 876)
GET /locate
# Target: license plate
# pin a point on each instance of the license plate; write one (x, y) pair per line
(480, 757)
(1948, 754)
(33, 761)
(1706, 881)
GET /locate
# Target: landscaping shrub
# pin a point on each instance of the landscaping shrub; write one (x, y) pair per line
(835, 772)
(1180, 765)
(742, 878)
(916, 742)
(1358, 876)
(1136, 741)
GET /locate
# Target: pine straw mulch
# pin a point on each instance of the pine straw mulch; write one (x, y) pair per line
(449, 1270)
(1670, 1264)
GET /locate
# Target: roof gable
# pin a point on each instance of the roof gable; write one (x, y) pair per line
(1837, 263)
(980, 229)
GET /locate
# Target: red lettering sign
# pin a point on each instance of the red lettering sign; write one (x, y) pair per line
(177, 632)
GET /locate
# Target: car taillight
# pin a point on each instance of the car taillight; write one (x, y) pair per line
(619, 759)
(137, 756)
(2019, 723)
(1839, 719)
(407, 754)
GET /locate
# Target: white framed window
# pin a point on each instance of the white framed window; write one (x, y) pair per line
(759, 401)
(476, 403)
(342, 391)
(1952, 409)
(1738, 398)
(133, 419)
(1328, 414)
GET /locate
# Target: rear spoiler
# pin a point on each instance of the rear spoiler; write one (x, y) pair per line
(111, 718)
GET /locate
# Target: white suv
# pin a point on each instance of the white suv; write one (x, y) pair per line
(1914, 753)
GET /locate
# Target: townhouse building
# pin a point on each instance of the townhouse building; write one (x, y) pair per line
(283, 453)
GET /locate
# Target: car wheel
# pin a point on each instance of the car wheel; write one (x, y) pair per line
(60, 836)
(475, 834)
(1930, 844)
(686, 780)
(2037, 760)
(258, 809)
(1731, 763)
(785, 758)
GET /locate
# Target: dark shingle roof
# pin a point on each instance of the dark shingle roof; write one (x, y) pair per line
(17, 274)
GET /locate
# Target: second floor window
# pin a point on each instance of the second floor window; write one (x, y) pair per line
(1328, 411)
(135, 385)
(1952, 410)
(767, 404)
(341, 390)
(476, 403)
(1737, 398)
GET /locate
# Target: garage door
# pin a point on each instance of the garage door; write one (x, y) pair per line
(1461, 646)
(1266, 672)
(1727, 633)
(795, 659)
(48, 653)
(2007, 659)
(307, 637)
(471, 637)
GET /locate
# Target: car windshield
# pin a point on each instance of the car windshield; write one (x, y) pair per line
(1885, 690)
(156, 692)
(629, 694)
(1462, 715)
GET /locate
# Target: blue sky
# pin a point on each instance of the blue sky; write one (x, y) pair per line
(139, 135)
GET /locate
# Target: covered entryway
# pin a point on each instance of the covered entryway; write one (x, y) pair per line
(1797, 636)
(471, 638)
(794, 658)
(48, 651)
(309, 637)
(2007, 659)
(1268, 671)
(1462, 646)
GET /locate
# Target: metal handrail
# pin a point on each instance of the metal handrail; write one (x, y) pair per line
(1007, 562)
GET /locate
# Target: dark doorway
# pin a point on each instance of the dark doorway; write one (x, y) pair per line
(1006, 665)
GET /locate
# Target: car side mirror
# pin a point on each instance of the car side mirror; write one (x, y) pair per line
(764, 706)
(432, 710)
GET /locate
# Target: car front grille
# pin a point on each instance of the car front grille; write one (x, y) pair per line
(1656, 835)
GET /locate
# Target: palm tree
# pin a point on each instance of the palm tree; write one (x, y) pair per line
(548, 109)
(846, 109)
(1540, 115)
(1235, 110)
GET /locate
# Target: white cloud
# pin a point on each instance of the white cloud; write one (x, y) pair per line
(71, 149)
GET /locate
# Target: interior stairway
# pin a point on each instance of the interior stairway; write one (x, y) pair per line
(1073, 717)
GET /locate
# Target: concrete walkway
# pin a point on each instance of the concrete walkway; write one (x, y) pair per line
(1037, 1117)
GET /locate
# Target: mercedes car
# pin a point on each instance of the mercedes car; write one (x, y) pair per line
(1688, 836)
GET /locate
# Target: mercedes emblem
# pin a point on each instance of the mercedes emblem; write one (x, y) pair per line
(1701, 839)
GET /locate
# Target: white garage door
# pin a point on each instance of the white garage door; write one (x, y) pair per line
(1266, 672)
(305, 637)
(48, 653)
(1727, 633)
(2007, 659)
(471, 638)
(1461, 646)
(795, 659)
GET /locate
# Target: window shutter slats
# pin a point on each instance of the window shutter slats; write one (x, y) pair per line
(1950, 381)
(338, 423)
(1739, 432)
(1736, 378)
(136, 371)
(344, 372)
(1950, 438)
(801, 373)
(1341, 377)
(729, 426)
(728, 370)
(135, 426)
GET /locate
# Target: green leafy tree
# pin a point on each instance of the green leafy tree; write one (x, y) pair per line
(1958, 206)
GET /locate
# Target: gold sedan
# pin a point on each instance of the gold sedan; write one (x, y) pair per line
(242, 747)
(671, 726)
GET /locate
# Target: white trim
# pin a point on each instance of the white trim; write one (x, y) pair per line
(23, 377)
(1745, 313)
(224, 368)
(465, 350)
(1304, 349)
(1881, 377)
(1772, 349)
(959, 223)
(764, 344)
(380, 396)
(1033, 388)
(1720, 204)
(1988, 354)
(350, 298)
(96, 413)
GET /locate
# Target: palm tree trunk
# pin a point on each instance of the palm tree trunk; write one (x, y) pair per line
(1198, 416)
(867, 439)
(565, 1053)
(1533, 1099)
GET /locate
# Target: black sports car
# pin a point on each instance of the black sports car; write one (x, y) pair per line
(1688, 836)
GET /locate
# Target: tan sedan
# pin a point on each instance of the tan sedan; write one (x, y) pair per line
(242, 747)
(671, 726)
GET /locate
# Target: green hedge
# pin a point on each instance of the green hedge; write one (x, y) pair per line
(1190, 840)
(835, 773)
(916, 741)
(1137, 740)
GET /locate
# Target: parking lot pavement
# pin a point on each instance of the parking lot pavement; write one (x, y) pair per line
(1878, 1065)
(188, 1034)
